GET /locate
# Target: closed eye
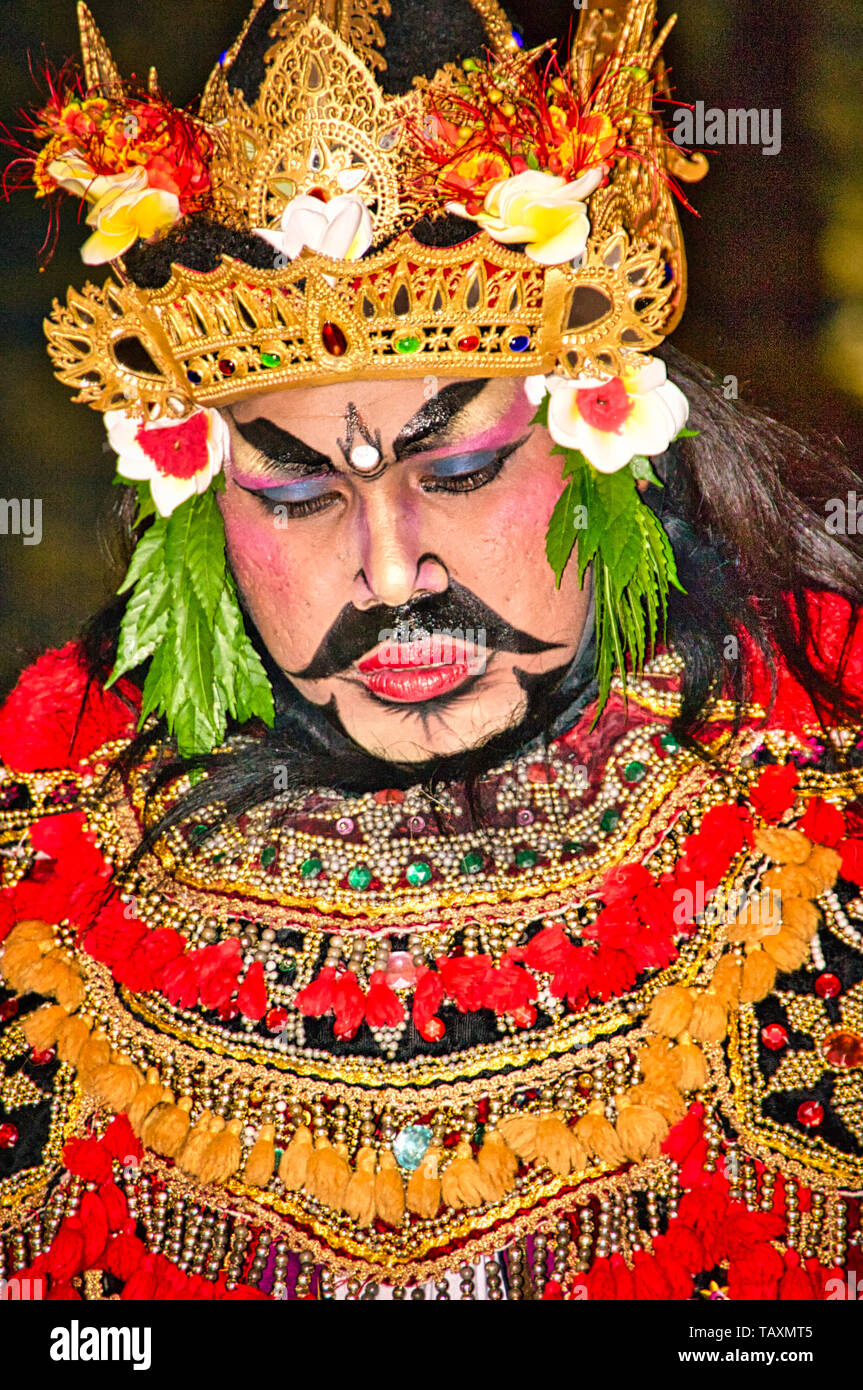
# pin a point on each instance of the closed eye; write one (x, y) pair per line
(468, 472)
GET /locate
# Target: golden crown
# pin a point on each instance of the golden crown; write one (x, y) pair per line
(321, 126)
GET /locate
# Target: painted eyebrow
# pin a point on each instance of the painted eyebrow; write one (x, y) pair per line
(282, 452)
(431, 423)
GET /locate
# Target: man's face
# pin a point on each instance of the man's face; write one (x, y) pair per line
(389, 542)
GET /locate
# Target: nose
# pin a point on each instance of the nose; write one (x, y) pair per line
(396, 564)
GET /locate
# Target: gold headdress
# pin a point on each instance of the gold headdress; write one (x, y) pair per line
(505, 215)
(321, 125)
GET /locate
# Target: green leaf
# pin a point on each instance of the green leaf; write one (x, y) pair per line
(205, 552)
(149, 555)
(144, 625)
(642, 470)
(561, 534)
(541, 416)
(687, 434)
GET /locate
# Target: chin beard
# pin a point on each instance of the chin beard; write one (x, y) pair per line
(354, 769)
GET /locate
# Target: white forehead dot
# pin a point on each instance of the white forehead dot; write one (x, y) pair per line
(365, 457)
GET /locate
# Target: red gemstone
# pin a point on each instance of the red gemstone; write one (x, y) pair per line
(774, 1036)
(41, 1059)
(524, 1015)
(334, 340)
(8, 1136)
(434, 1030)
(469, 343)
(828, 986)
(810, 1113)
(843, 1049)
(8, 1009)
(390, 796)
(227, 367)
(276, 1020)
(541, 772)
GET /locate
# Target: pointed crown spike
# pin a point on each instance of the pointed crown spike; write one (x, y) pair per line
(100, 71)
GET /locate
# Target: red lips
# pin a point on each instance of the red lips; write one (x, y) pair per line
(416, 671)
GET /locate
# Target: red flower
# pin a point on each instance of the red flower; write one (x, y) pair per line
(143, 969)
(823, 823)
(120, 1140)
(65, 1256)
(464, 979)
(217, 986)
(572, 979)
(8, 915)
(94, 1220)
(124, 1255)
(384, 1009)
(349, 1005)
(252, 998)
(55, 716)
(624, 882)
(773, 793)
(179, 981)
(548, 951)
(87, 1159)
(852, 860)
(428, 997)
(114, 1203)
(114, 937)
(509, 987)
(611, 973)
(317, 997)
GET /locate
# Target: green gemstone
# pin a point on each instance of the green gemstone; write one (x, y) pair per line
(634, 771)
(608, 820)
(217, 858)
(526, 858)
(418, 873)
(472, 863)
(268, 854)
(287, 967)
(310, 868)
(407, 344)
(360, 877)
(669, 743)
(270, 359)
(573, 847)
(198, 831)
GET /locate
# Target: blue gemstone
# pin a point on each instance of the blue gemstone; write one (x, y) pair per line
(194, 377)
(667, 272)
(519, 41)
(519, 344)
(410, 1146)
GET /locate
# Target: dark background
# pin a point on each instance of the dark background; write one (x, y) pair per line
(776, 257)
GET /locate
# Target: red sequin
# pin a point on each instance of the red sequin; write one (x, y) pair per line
(828, 986)
(774, 1036)
(810, 1113)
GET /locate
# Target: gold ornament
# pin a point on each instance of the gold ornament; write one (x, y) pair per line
(322, 125)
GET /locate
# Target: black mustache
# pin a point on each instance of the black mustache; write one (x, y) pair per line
(356, 632)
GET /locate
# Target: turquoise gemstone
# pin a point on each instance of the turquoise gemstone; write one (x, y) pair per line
(634, 771)
(608, 820)
(418, 873)
(310, 868)
(526, 858)
(359, 877)
(472, 863)
(410, 1146)
(268, 854)
(669, 743)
